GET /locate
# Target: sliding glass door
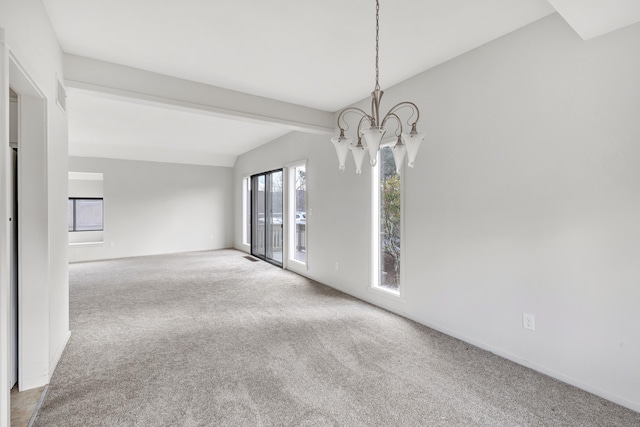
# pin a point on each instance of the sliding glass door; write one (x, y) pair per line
(266, 216)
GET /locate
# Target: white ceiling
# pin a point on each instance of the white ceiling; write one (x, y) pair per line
(309, 52)
(593, 18)
(106, 126)
(314, 53)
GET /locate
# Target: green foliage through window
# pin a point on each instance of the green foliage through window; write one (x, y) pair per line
(389, 222)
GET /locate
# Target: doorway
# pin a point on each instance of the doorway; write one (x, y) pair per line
(13, 238)
(266, 216)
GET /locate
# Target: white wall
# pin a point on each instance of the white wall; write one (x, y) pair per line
(525, 198)
(333, 207)
(86, 185)
(156, 208)
(30, 42)
(89, 188)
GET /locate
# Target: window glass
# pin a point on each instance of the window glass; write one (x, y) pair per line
(388, 223)
(86, 215)
(299, 203)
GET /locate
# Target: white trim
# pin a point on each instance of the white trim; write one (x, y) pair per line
(5, 251)
(374, 283)
(297, 267)
(536, 367)
(392, 296)
(246, 229)
(86, 244)
(403, 239)
(285, 218)
(61, 95)
(33, 382)
(33, 360)
(374, 246)
(290, 222)
(58, 355)
(504, 354)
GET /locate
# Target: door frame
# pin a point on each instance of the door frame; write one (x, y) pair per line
(254, 195)
(33, 229)
(5, 251)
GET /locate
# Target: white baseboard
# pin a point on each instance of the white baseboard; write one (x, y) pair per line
(539, 368)
(43, 380)
(32, 383)
(635, 406)
(56, 358)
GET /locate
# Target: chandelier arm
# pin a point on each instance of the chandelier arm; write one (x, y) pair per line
(391, 115)
(362, 119)
(407, 104)
(350, 110)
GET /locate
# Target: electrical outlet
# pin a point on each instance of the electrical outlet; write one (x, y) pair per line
(528, 321)
(112, 244)
(337, 266)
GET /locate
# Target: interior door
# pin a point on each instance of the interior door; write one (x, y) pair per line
(13, 290)
(266, 216)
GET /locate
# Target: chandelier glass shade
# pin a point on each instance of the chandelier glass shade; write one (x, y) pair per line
(372, 127)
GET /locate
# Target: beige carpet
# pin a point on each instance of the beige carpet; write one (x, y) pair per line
(213, 339)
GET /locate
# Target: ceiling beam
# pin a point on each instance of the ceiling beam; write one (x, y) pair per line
(135, 85)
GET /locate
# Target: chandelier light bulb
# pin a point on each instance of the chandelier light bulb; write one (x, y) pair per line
(399, 152)
(342, 144)
(373, 137)
(412, 140)
(359, 152)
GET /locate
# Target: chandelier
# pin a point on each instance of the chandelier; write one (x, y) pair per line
(373, 127)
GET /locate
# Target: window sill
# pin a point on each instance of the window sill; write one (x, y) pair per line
(387, 294)
(298, 264)
(86, 244)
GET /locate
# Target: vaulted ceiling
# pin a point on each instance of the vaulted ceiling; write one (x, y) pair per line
(317, 54)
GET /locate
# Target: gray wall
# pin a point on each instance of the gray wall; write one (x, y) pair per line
(525, 198)
(155, 208)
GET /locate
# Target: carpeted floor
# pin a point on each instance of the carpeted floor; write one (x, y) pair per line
(213, 339)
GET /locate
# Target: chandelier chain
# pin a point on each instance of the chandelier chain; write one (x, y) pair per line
(372, 127)
(377, 44)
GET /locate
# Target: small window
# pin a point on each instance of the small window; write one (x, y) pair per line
(85, 214)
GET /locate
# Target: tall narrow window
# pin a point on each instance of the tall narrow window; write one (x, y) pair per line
(298, 212)
(387, 222)
(246, 211)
